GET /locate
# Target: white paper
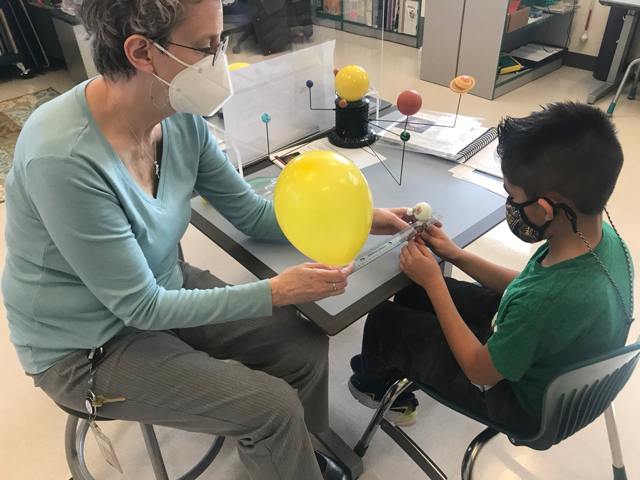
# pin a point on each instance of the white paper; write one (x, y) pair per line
(440, 139)
(361, 157)
(278, 87)
(468, 174)
(487, 160)
(534, 52)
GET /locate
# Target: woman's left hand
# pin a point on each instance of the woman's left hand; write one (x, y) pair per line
(389, 221)
(417, 262)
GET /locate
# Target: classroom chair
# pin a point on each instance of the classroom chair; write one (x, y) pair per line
(574, 399)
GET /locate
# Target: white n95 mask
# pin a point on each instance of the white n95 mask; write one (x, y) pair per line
(202, 88)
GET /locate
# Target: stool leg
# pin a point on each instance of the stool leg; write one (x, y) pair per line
(74, 438)
(619, 472)
(612, 107)
(153, 449)
(634, 87)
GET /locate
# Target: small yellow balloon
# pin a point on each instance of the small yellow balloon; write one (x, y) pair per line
(237, 65)
(352, 83)
(323, 205)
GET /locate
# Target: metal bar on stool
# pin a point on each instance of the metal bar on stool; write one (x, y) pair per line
(412, 449)
(155, 454)
(74, 448)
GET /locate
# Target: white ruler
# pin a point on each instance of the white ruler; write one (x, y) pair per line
(398, 239)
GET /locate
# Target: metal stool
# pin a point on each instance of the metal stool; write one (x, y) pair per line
(75, 435)
(634, 87)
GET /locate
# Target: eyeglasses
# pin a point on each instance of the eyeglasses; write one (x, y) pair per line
(220, 49)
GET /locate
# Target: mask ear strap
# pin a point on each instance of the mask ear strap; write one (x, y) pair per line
(571, 215)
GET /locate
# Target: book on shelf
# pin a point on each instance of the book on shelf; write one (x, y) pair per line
(400, 16)
(411, 17)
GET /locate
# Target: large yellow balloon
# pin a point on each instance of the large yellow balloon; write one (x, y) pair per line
(324, 207)
(351, 83)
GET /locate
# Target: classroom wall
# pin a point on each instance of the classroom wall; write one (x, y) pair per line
(596, 28)
(596, 31)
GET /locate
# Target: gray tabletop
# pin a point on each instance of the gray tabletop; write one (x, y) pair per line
(468, 212)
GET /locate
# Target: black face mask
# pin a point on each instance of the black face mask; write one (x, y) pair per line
(521, 226)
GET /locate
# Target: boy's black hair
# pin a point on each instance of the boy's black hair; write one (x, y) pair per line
(568, 148)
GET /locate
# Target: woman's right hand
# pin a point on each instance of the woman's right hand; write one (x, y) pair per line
(308, 282)
(440, 244)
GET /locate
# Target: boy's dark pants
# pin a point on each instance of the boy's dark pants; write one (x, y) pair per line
(404, 339)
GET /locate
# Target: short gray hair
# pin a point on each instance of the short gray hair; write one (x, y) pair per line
(110, 22)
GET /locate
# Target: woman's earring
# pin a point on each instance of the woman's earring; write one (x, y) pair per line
(151, 94)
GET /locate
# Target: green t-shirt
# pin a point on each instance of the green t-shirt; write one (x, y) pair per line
(552, 317)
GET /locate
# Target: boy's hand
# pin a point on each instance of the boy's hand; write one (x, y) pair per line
(417, 262)
(440, 243)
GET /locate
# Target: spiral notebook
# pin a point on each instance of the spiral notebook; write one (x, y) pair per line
(455, 138)
(475, 147)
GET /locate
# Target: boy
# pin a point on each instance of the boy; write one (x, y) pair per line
(571, 302)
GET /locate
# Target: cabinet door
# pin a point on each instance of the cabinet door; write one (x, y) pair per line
(441, 39)
(483, 28)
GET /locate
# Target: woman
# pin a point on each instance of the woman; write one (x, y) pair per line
(97, 201)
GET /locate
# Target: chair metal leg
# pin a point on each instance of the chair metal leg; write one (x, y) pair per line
(394, 392)
(74, 438)
(405, 442)
(619, 472)
(473, 450)
(612, 107)
(634, 87)
(150, 439)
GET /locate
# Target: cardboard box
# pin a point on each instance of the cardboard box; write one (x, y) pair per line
(518, 19)
(332, 7)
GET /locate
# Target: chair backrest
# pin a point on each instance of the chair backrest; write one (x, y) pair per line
(581, 393)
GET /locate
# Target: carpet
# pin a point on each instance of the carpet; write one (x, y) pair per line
(13, 115)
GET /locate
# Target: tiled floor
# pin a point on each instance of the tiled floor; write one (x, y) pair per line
(31, 426)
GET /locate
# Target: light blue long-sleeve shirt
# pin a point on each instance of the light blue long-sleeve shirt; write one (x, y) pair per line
(90, 255)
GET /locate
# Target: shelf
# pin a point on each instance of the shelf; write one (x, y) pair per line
(339, 18)
(359, 24)
(328, 16)
(534, 22)
(504, 85)
(340, 23)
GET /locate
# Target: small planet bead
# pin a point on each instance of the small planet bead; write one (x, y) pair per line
(309, 84)
(342, 103)
(266, 118)
(405, 136)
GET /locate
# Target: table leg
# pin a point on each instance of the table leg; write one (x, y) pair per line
(624, 42)
(447, 269)
(341, 452)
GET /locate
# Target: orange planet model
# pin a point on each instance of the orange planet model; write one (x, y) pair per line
(409, 102)
(462, 84)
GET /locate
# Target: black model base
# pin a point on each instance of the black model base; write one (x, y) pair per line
(352, 125)
(346, 142)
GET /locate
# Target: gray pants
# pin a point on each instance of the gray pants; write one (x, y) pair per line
(269, 402)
